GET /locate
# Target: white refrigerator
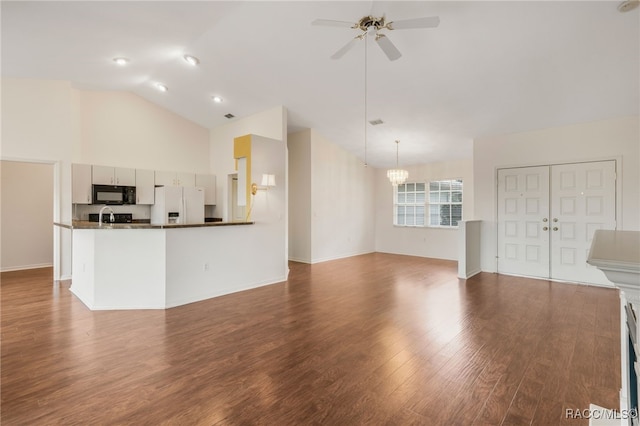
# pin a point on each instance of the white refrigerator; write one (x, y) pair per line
(178, 205)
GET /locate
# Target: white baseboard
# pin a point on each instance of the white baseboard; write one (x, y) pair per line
(26, 267)
(470, 274)
(340, 256)
(416, 255)
(295, 259)
(220, 292)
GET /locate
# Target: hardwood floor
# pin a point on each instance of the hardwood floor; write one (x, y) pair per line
(376, 339)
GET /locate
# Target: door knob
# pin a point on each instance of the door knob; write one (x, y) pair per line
(546, 228)
(555, 219)
(545, 220)
(555, 228)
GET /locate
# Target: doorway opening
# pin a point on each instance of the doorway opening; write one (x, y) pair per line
(26, 215)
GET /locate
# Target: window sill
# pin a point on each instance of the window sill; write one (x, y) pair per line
(427, 227)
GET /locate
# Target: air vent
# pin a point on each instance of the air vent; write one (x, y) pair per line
(229, 116)
(376, 122)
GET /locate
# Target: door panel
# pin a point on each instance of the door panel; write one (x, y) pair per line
(582, 200)
(547, 216)
(523, 206)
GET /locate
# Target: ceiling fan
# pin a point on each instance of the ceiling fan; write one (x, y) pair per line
(373, 25)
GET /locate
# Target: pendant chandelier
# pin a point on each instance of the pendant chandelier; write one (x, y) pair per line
(397, 176)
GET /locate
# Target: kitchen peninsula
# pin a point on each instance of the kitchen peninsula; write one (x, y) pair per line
(145, 266)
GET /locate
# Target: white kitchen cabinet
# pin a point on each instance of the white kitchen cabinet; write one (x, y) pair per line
(102, 175)
(164, 178)
(81, 183)
(186, 179)
(208, 182)
(145, 186)
(105, 175)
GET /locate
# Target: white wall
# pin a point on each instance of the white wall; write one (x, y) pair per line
(124, 130)
(267, 248)
(299, 145)
(39, 123)
(436, 243)
(269, 124)
(616, 138)
(26, 215)
(265, 244)
(342, 202)
(49, 121)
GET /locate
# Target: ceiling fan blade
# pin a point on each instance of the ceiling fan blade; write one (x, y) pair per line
(387, 47)
(340, 53)
(332, 23)
(407, 24)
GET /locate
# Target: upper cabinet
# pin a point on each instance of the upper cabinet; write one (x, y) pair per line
(208, 182)
(81, 183)
(105, 175)
(186, 179)
(145, 186)
(164, 178)
(145, 181)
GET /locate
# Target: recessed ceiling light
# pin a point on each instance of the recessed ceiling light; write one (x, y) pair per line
(161, 87)
(217, 99)
(121, 61)
(191, 60)
(628, 5)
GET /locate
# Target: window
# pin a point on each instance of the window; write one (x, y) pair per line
(409, 205)
(445, 202)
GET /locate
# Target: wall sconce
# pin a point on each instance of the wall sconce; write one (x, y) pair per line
(268, 181)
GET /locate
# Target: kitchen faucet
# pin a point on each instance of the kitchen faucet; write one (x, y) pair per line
(111, 218)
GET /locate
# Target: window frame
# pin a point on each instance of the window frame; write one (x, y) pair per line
(414, 204)
(449, 203)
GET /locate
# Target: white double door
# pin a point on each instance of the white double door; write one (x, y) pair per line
(547, 216)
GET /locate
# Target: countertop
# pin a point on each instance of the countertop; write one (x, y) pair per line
(619, 249)
(83, 224)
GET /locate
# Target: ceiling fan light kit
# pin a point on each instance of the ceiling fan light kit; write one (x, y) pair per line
(628, 5)
(373, 25)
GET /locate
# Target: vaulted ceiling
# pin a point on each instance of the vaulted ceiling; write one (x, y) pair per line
(488, 68)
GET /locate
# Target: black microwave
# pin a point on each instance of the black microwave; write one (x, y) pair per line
(114, 195)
